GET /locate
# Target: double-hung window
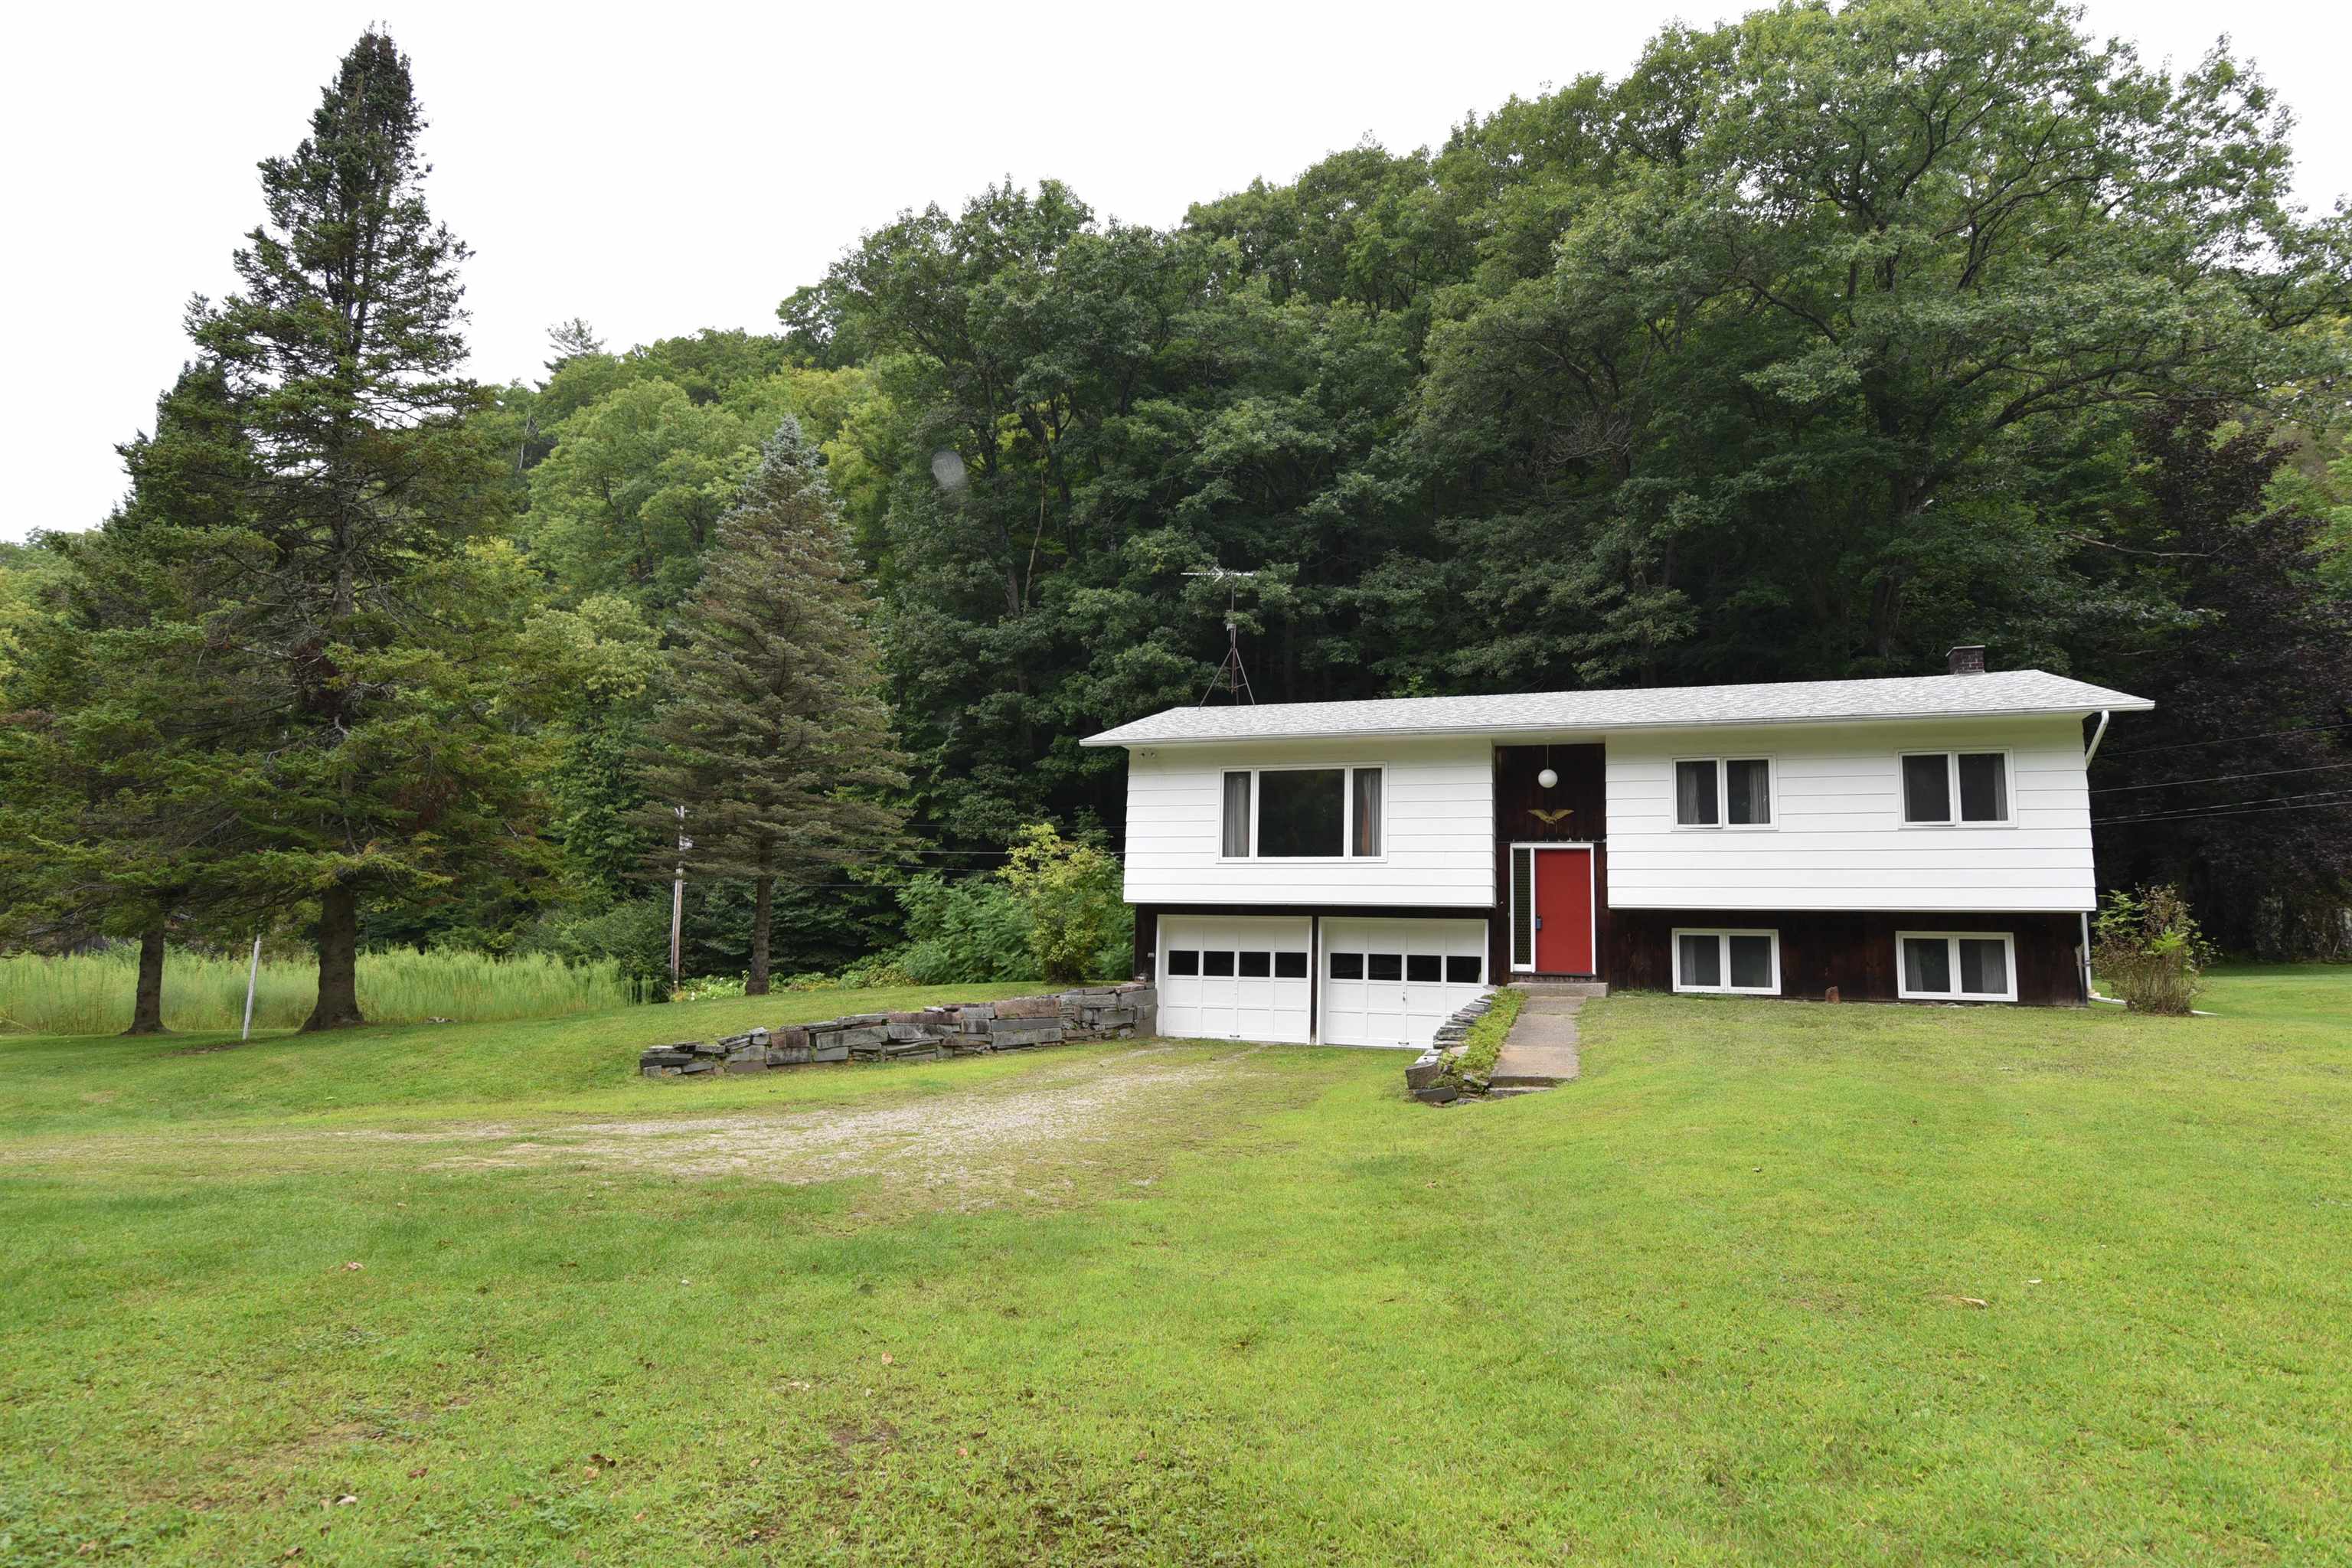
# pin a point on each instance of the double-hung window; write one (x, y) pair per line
(1956, 966)
(1744, 962)
(1301, 813)
(1723, 792)
(1949, 788)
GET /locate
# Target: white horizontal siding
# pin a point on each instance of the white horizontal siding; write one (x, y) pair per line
(1840, 841)
(1438, 827)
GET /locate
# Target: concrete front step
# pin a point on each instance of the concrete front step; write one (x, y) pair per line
(1531, 1063)
(1564, 987)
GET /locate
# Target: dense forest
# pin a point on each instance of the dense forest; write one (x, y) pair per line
(1816, 343)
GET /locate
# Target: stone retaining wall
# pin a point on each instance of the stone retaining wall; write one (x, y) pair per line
(958, 1029)
(1426, 1079)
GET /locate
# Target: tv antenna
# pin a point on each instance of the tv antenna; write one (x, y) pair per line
(1230, 677)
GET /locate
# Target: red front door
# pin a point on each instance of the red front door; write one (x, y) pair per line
(1564, 911)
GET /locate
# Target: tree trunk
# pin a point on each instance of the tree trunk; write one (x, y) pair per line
(763, 916)
(339, 956)
(147, 1011)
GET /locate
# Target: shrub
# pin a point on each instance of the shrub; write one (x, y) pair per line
(1077, 912)
(632, 937)
(710, 988)
(2146, 950)
(964, 933)
(874, 973)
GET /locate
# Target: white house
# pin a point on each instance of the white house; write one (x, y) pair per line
(1352, 872)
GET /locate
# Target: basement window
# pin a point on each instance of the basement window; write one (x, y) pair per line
(1942, 789)
(1302, 813)
(1723, 792)
(1956, 966)
(1736, 962)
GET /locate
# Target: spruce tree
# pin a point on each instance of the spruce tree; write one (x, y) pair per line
(370, 629)
(774, 734)
(118, 724)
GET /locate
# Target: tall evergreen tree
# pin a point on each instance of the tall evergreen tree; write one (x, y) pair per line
(112, 806)
(774, 737)
(368, 629)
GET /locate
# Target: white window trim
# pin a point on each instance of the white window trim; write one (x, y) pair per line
(1722, 793)
(1723, 935)
(1346, 772)
(1951, 755)
(1535, 897)
(1952, 940)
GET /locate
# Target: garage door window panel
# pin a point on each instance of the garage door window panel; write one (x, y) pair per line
(1257, 965)
(1402, 996)
(1184, 960)
(1217, 966)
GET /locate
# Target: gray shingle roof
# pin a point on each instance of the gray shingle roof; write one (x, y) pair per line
(1666, 707)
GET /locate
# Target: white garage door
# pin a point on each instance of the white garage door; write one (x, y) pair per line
(1232, 977)
(1392, 983)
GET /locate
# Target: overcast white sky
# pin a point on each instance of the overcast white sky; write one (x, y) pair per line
(657, 169)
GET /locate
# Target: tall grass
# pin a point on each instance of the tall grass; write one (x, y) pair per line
(91, 994)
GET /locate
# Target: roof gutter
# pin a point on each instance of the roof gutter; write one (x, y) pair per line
(1536, 734)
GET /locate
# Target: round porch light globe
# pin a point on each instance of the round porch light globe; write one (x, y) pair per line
(1547, 778)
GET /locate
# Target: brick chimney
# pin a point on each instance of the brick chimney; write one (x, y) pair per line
(1969, 661)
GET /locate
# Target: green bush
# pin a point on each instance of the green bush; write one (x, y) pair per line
(710, 988)
(1077, 910)
(878, 972)
(634, 938)
(2147, 951)
(964, 932)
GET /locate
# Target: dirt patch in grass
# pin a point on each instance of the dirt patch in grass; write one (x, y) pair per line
(1075, 1118)
(1028, 1137)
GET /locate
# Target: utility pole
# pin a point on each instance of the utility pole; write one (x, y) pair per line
(252, 979)
(1230, 676)
(677, 901)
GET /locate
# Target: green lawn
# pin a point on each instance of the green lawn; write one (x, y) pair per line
(1773, 1282)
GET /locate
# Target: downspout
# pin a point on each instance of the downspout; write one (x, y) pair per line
(2089, 994)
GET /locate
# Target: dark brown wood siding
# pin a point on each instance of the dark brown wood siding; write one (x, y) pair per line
(1854, 952)
(1582, 793)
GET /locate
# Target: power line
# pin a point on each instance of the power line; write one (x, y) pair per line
(2223, 778)
(2248, 810)
(2234, 807)
(2225, 740)
(2229, 804)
